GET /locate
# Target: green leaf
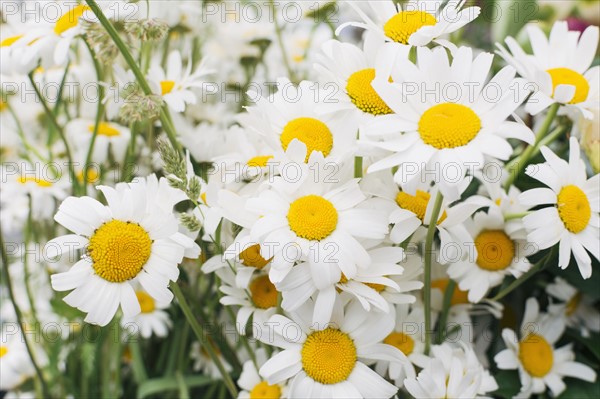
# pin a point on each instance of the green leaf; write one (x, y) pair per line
(509, 383)
(592, 342)
(577, 389)
(157, 385)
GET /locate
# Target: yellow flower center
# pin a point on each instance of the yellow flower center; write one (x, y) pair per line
(495, 250)
(573, 303)
(449, 125)
(417, 204)
(328, 356)
(92, 176)
(458, 296)
(3, 105)
(119, 250)
(536, 355)
(312, 132)
(146, 302)
(3, 350)
(312, 217)
(39, 181)
(259, 161)
(10, 40)
(264, 293)
(401, 26)
(574, 208)
(166, 86)
(363, 95)
(105, 129)
(251, 257)
(263, 390)
(566, 76)
(401, 341)
(70, 19)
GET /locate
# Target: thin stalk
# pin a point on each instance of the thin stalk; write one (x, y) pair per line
(278, 33)
(19, 316)
(139, 75)
(445, 309)
(191, 319)
(139, 370)
(526, 155)
(358, 166)
(60, 131)
(427, 273)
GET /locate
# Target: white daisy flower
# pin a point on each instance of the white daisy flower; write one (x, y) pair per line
(573, 220)
(204, 364)
(353, 77)
(258, 299)
(253, 386)
(417, 23)
(153, 320)
(294, 112)
(368, 286)
(450, 131)
(315, 221)
(452, 372)
(409, 337)
(15, 363)
(579, 309)
(133, 239)
(540, 364)
(329, 360)
(174, 85)
(111, 138)
(560, 67)
(495, 254)
(42, 183)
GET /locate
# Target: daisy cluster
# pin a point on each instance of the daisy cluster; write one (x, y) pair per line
(349, 199)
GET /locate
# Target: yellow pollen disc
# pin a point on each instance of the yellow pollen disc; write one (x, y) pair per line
(401, 341)
(536, 355)
(458, 296)
(495, 250)
(363, 95)
(3, 350)
(263, 390)
(10, 40)
(566, 76)
(146, 302)
(105, 129)
(573, 303)
(92, 176)
(417, 204)
(401, 26)
(328, 356)
(449, 125)
(3, 105)
(70, 19)
(376, 287)
(119, 250)
(251, 257)
(574, 208)
(259, 161)
(36, 180)
(264, 293)
(166, 86)
(312, 132)
(312, 217)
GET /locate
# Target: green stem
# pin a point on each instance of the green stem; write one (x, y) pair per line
(60, 131)
(112, 32)
(19, 316)
(427, 273)
(534, 269)
(523, 159)
(358, 166)
(191, 319)
(278, 33)
(99, 114)
(445, 309)
(512, 216)
(139, 370)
